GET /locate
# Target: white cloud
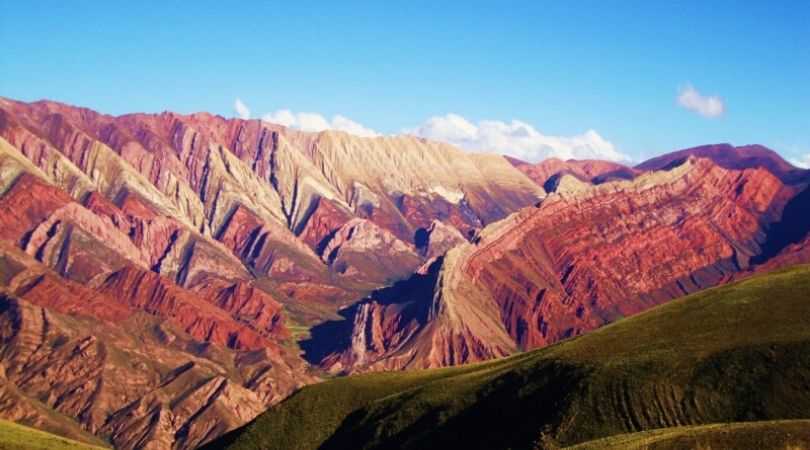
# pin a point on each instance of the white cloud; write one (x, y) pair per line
(307, 121)
(241, 109)
(802, 161)
(710, 106)
(515, 138)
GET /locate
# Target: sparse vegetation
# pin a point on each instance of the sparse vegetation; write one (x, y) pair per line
(18, 437)
(738, 353)
(780, 434)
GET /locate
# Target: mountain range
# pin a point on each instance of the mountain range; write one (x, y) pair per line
(166, 278)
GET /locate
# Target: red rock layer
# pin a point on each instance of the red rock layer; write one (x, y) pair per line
(576, 262)
(77, 366)
(26, 204)
(148, 291)
(322, 222)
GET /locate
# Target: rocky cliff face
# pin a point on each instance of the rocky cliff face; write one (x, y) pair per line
(587, 255)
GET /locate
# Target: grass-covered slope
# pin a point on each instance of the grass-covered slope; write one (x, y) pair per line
(732, 354)
(18, 437)
(776, 434)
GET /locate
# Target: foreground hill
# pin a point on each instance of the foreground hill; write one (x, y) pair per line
(737, 353)
(777, 434)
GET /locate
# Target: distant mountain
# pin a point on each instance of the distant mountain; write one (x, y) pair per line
(584, 257)
(739, 353)
(731, 157)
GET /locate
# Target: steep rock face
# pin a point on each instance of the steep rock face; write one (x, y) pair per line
(423, 211)
(325, 219)
(297, 169)
(92, 376)
(247, 304)
(70, 241)
(41, 129)
(584, 258)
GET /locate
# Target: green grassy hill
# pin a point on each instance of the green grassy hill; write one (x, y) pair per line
(737, 353)
(18, 437)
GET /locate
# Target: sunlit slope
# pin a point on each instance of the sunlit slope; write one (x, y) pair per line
(766, 435)
(18, 437)
(732, 354)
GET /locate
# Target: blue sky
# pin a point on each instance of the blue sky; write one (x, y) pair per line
(537, 73)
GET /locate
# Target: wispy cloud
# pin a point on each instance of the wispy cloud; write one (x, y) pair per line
(241, 109)
(710, 106)
(515, 138)
(308, 121)
(802, 161)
